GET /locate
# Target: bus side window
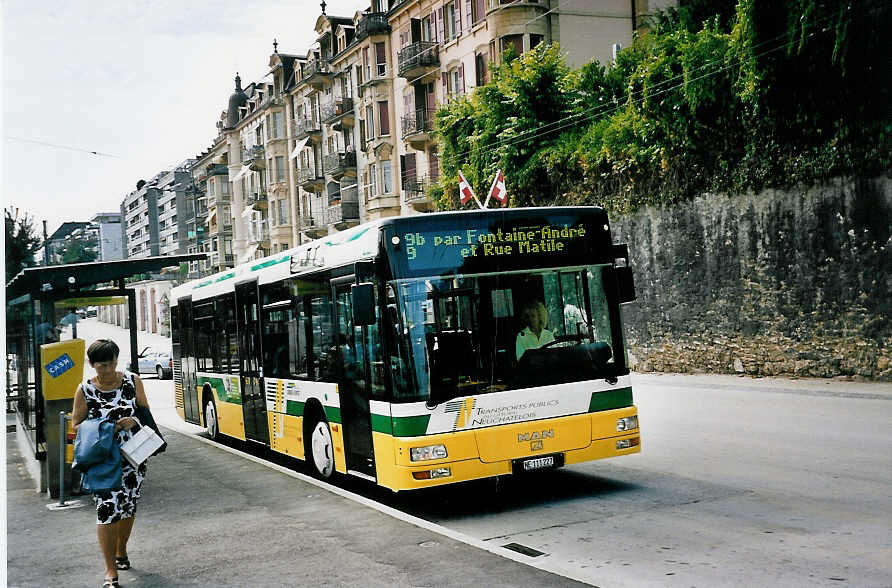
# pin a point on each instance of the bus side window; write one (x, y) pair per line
(398, 356)
(322, 342)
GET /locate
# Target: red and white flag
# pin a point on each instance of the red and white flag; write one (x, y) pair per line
(465, 191)
(497, 190)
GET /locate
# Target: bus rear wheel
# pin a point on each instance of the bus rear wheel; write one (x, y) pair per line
(320, 452)
(210, 419)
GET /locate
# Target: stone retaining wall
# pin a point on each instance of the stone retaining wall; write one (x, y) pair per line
(793, 283)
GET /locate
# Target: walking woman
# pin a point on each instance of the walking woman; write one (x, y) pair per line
(113, 395)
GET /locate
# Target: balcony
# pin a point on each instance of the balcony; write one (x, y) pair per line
(310, 179)
(253, 157)
(307, 127)
(217, 169)
(415, 193)
(345, 213)
(418, 59)
(418, 127)
(258, 200)
(312, 225)
(373, 23)
(258, 236)
(337, 165)
(334, 113)
(316, 72)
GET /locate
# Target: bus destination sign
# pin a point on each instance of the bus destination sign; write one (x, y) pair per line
(454, 248)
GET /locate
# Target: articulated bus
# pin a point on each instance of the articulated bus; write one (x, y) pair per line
(419, 351)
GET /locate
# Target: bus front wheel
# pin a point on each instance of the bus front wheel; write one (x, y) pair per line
(210, 419)
(321, 449)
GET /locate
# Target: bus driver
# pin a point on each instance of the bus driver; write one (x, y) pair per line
(534, 335)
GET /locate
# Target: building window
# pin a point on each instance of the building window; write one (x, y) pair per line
(449, 16)
(370, 123)
(535, 40)
(387, 177)
(373, 180)
(383, 118)
(280, 168)
(515, 41)
(427, 28)
(283, 212)
(476, 11)
(366, 63)
(479, 69)
(278, 125)
(211, 189)
(380, 60)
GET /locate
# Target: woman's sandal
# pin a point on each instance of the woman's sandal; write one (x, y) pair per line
(122, 563)
(111, 583)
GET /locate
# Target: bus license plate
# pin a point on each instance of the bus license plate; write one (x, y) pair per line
(538, 463)
(543, 462)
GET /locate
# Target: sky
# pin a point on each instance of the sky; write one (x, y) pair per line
(141, 83)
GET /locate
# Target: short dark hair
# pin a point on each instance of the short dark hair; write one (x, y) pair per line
(103, 350)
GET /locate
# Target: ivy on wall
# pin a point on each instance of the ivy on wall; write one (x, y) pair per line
(716, 98)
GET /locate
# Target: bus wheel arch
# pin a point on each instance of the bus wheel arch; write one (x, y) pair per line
(210, 413)
(318, 441)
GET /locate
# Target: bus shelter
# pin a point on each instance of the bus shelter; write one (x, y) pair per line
(40, 369)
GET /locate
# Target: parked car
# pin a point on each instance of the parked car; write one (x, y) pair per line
(154, 361)
(92, 311)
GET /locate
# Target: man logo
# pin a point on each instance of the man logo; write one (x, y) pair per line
(535, 436)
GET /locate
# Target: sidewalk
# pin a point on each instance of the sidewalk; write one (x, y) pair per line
(91, 329)
(211, 518)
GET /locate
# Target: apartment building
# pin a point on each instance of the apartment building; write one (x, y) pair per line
(109, 235)
(343, 133)
(157, 215)
(210, 181)
(139, 212)
(257, 158)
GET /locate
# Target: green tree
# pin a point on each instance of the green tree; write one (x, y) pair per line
(22, 242)
(80, 251)
(718, 97)
(507, 124)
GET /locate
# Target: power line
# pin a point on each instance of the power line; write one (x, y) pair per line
(56, 146)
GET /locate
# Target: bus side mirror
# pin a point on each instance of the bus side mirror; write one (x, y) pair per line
(625, 284)
(363, 304)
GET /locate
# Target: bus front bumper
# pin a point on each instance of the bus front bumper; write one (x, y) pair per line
(609, 443)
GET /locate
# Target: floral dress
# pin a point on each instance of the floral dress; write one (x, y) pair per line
(112, 506)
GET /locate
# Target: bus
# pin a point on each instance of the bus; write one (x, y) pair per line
(400, 351)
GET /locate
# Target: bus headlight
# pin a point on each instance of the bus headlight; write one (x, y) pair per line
(427, 452)
(627, 423)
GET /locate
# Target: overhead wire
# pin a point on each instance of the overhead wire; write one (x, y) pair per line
(57, 146)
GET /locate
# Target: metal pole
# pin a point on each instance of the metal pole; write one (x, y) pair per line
(131, 309)
(63, 438)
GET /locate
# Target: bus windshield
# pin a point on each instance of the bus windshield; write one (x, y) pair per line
(465, 335)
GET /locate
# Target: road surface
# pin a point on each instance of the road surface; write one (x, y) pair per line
(739, 482)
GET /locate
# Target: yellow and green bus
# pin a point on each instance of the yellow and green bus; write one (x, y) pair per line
(419, 351)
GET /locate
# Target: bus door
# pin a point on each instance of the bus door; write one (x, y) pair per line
(250, 358)
(189, 381)
(354, 381)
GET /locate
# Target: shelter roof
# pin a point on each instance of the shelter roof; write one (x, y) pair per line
(45, 281)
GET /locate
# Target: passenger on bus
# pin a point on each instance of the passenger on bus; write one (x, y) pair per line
(534, 335)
